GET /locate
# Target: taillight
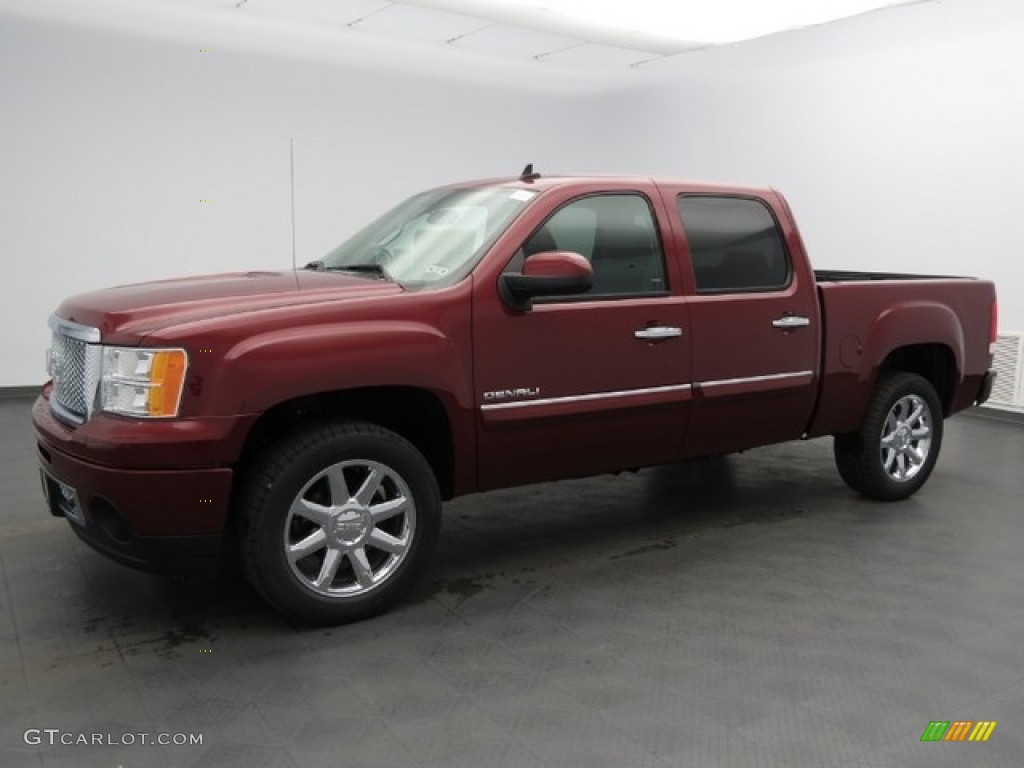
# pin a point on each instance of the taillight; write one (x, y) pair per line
(993, 327)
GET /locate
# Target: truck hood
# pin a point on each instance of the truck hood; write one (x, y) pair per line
(132, 311)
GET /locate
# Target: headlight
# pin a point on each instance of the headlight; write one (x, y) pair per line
(144, 383)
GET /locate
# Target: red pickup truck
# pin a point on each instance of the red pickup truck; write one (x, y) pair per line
(483, 335)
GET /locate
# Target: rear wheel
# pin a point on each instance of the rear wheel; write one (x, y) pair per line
(894, 452)
(338, 522)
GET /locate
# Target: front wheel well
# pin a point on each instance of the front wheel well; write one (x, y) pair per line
(416, 414)
(934, 362)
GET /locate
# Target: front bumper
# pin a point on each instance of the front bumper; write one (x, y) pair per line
(152, 519)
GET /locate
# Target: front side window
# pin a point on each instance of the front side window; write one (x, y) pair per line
(616, 233)
(433, 239)
(735, 244)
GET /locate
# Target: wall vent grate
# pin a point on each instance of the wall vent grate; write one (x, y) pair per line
(1008, 389)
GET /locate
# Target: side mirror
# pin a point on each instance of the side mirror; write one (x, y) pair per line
(551, 273)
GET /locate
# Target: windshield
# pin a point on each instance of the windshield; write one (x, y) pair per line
(432, 239)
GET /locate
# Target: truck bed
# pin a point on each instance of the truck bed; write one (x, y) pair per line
(865, 314)
(845, 276)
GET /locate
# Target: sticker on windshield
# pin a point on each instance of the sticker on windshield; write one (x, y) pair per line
(436, 269)
(523, 195)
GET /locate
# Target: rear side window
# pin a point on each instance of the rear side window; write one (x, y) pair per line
(735, 244)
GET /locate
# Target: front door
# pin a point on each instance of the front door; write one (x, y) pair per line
(591, 383)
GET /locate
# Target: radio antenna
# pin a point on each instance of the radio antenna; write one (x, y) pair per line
(291, 173)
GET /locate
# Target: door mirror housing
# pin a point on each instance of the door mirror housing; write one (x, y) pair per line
(551, 273)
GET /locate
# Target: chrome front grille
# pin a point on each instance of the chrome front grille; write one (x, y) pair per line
(74, 367)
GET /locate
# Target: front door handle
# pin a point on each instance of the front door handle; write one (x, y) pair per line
(789, 322)
(658, 333)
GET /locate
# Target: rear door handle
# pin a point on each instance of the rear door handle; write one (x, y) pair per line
(791, 321)
(658, 333)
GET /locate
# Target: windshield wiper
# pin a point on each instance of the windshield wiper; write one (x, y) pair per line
(373, 269)
(316, 266)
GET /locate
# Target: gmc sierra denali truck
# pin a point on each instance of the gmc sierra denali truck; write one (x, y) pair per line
(309, 423)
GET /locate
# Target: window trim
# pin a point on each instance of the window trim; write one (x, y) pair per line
(790, 273)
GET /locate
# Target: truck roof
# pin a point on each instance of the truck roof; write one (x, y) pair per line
(543, 183)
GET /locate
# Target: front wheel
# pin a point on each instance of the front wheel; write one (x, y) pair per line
(338, 522)
(894, 452)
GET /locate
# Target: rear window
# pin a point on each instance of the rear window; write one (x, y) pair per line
(735, 244)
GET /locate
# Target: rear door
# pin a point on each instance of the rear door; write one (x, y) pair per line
(585, 384)
(753, 321)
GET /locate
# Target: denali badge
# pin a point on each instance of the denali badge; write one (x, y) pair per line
(507, 394)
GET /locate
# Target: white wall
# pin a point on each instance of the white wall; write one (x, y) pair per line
(898, 136)
(109, 140)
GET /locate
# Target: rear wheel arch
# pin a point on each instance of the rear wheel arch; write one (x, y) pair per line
(922, 337)
(934, 362)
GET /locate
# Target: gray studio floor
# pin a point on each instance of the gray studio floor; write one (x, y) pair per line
(748, 611)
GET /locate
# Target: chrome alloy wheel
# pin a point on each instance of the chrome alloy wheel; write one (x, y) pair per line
(349, 528)
(906, 438)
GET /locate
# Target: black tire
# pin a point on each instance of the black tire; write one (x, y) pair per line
(338, 488)
(903, 423)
